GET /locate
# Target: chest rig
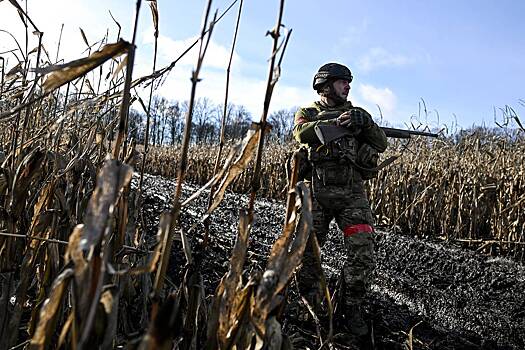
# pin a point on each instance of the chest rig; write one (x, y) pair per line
(332, 163)
(342, 150)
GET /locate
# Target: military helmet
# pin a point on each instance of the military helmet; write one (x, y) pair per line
(331, 71)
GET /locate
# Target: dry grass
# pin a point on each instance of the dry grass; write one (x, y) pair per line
(75, 269)
(163, 161)
(471, 191)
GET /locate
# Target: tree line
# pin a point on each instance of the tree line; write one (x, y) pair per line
(167, 119)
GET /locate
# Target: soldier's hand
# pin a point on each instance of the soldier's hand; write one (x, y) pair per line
(343, 119)
(356, 118)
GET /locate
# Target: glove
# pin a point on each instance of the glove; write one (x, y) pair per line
(359, 118)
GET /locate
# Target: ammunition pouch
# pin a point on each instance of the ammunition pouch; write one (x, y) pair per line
(367, 159)
(333, 174)
(328, 166)
(330, 183)
(335, 171)
(319, 154)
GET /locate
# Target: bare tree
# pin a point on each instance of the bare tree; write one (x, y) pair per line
(136, 125)
(157, 111)
(203, 120)
(238, 123)
(282, 124)
(167, 121)
(174, 121)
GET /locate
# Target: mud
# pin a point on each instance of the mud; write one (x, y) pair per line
(427, 295)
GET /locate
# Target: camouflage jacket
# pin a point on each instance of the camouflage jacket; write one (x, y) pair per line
(352, 151)
(318, 114)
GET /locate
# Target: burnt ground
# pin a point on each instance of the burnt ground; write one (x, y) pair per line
(444, 296)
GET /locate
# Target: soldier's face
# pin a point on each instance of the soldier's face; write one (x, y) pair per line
(342, 88)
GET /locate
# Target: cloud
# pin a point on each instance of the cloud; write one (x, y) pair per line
(217, 56)
(49, 16)
(248, 77)
(246, 88)
(382, 97)
(353, 35)
(379, 57)
(243, 90)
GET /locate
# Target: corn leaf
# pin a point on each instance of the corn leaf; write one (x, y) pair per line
(49, 312)
(110, 181)
(62, 74)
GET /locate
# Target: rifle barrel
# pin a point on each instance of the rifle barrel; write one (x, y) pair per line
(406, 134)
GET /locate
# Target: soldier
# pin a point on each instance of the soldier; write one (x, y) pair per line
(337, 173)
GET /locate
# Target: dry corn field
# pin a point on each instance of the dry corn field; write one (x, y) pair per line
(83, 267)
(470, 190)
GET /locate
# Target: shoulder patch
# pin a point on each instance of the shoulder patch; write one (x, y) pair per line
(311, 111)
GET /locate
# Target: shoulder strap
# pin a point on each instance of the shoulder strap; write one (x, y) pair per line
(383, 164)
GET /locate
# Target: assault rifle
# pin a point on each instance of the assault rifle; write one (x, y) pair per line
(328, 133)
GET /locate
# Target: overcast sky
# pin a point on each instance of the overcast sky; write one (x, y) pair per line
(463, 58)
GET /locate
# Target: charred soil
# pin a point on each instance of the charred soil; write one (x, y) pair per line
(425, 294)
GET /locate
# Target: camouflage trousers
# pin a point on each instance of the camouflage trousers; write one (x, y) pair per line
(351, 210)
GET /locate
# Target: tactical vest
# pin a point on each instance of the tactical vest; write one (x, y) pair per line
(363, 157)
(332, 163)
